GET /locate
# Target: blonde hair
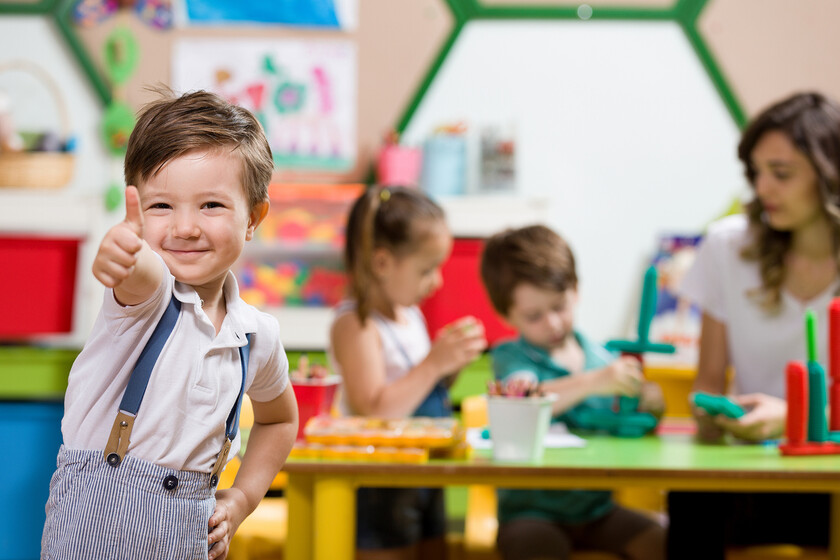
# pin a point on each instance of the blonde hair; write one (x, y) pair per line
(389, 218)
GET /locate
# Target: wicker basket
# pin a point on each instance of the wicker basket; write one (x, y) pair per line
(38, 169)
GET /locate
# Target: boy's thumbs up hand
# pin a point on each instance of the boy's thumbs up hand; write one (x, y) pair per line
(133, 211)
(117, 253)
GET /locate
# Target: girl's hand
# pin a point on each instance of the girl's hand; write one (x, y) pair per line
(622, 377)
(456, 345)
(117, 253)
(765, 418)
(228, 515)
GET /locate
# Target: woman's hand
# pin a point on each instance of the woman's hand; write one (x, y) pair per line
(765, 418)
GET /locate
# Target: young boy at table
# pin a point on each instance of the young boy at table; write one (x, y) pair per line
(530, 277)
(152, 404)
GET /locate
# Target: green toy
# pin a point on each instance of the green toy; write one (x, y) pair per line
(622, 424)
(636, 348)
(717, 404)
(817, 398)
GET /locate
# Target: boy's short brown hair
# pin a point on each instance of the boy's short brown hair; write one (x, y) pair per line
(170, 127)
(533, 255)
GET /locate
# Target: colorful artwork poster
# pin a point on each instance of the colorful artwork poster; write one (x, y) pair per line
(303, 93)
(329, 14)
(676, 321)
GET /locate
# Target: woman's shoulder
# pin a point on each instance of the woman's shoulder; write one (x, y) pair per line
(731, 227)
(728, 235)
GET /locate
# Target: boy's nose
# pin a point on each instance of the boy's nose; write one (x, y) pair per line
(186, 225)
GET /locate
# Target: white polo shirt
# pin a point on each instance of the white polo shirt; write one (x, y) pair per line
(760, 344)
(194, 384)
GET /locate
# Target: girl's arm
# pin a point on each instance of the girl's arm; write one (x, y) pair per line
(621, 377)
(358, 350)
(711, 372)
(271, 439)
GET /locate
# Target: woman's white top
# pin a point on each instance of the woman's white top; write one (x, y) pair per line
(760, 343)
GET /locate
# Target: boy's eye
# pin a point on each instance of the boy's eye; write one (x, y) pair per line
(213, 205)
(159, 205)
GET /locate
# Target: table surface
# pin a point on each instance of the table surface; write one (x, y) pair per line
(671, 456)
(323, 491)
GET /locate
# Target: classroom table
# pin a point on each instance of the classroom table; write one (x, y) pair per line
(322, 493)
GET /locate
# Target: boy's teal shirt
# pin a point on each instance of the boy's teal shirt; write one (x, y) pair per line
(563, 506)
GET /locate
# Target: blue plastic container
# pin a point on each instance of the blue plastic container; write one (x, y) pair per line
(33, 436)
(444, 165)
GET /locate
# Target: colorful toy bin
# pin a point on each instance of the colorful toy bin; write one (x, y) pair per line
(314, 398)
(32, 385)
(37, 286)
(296, 256)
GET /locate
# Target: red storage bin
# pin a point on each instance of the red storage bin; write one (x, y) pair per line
(463, 293)
(314, 398)
(37, 285)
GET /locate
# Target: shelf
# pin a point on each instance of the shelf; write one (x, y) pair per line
(303, 328)
(48, 212)
(482, 215)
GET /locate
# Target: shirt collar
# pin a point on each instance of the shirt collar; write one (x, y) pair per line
(541, 356)
(240, 319)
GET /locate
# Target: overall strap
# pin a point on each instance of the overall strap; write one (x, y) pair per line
(232, 425)
(137, 383)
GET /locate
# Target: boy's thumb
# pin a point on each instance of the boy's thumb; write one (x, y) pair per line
(133, 213)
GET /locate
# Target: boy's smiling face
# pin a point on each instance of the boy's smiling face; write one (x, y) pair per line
(197, 217)
(543, 317)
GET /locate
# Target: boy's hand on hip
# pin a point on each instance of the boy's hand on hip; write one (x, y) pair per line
(117, 253)
(229, 513)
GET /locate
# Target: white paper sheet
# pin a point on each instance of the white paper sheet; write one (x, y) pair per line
(558, 436)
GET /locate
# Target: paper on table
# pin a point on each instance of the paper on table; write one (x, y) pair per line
(558, 436)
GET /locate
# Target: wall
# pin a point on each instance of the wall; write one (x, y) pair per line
(632, 148)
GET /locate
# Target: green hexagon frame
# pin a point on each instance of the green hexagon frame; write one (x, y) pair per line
(684, 12)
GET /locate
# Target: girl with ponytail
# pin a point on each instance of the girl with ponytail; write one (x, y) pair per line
(397, 240)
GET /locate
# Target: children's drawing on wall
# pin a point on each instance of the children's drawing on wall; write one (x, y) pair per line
(330, 14)
(303, 93)
(676, 321)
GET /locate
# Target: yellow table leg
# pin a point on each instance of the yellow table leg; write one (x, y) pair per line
(335, 519)
(834, 535)
(299, 537)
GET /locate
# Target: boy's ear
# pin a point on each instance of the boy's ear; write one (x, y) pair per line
(258, 214)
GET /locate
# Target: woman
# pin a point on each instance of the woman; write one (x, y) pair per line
(754, 277)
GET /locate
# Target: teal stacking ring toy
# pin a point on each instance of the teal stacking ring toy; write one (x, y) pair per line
(717, 405)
